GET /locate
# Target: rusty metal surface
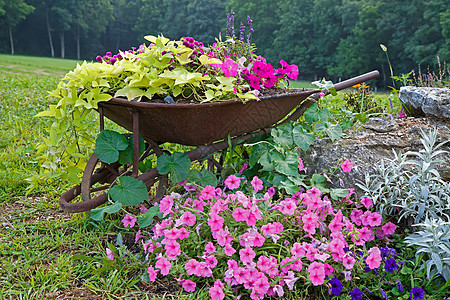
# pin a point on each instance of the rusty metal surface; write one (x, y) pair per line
(198, 124)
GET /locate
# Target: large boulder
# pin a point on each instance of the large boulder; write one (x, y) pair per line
(367, 146)
(426, 101)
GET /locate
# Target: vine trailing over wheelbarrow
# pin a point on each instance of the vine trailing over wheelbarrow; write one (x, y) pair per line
(211, 127)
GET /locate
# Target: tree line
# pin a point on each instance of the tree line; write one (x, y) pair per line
(326, 38)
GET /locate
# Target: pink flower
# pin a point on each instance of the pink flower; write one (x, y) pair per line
(291, 70)
(388, 228)
(229, 251)
(288, 207)
(191, 267)
(257, 184)
(216, 292)
(355, 216)
(367, 202)
(261, 286)
(138, 236)
(402, 113)
(110, 254)
(374, 219)
(232, 182)
(188, 218)
(374, 258)
(366, 234)
(152, 273)
(316, 273)
(210, 248)
(230, 68)
(348, 261)
(188, 285)
(301, 167)
(208, 192)
(347, 166)
(163, 264)
(247, 254)
(215, 222)
(270, 80)
(165, 205)
(172, 249)
(128, 220)
(211, 261)
(243, 168)
(240, 214)
(143, 209)
(254, 82)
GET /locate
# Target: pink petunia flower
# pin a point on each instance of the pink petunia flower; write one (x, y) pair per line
(128, 220)
(374, 219)
(240, 214)
(367, 202)
(288, 207)
(257, 184)
(189, 218)
(138, 236)
(230, 68)
(210, 248)
(402, 113)
(229, 251)
(374, 258)
(247, 254)
(347, 166)
(232, 182)
(209, 192)
(163, 264)
(301, 166)
(188, 285)
(216, 292)
(165, 205)
(254, 82)
(348, 261)
(152, 273)
(191, 267)
(110, 254)
(388, 228)
(215, 222)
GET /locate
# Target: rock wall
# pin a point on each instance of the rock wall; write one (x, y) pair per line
(425, 101)
(367, 145)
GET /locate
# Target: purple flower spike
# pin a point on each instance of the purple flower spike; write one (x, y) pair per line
(108, 54)
(113, 60)
(99, 58)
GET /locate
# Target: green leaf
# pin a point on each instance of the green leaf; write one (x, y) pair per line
(301, 138)
(313, 114)
(97, 213)
(147, 218)
(178, 165)
(334, 132)
(145, 165)
(282, 136)
(126, 156)
(108, 144)
(204, 178)
(287, 165)
(130, 191)
(338, 194)
(319, 181)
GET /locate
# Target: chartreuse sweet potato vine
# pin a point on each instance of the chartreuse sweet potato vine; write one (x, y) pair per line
(173, 70)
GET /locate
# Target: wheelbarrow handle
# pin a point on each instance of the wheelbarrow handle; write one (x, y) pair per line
(350, 82)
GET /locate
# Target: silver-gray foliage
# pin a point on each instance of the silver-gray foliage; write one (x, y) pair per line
(418, 191)
(434, 241)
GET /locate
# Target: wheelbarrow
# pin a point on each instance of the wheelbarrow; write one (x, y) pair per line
(207, 126)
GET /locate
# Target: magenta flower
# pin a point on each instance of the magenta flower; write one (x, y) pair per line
(188, 285)
(152, 273)
(229, 251)
(374, 219)
(402, 113)
(110, 254)
(216, 292)
(257, 184)
(389, 228)
(230, 68)
(128, 220)
(288, 207)
(240, 214)
(347, 166)
(301, 166)
(210, 248)
(163, 264)
(215, 222)
(188, 218)
(165, 205)
(367, 202)
(247, 254)
(232, 182)
(191, 267)
(270, 80)
(209, 192)
(254, 82)
(138, 236)
(374, 258)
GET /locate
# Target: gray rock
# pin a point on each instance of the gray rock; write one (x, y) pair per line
(366, 146)
(426, 101)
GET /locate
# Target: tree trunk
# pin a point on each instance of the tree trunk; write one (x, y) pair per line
(63, 47)
(78, 42)
(11, 40)
(52, 50)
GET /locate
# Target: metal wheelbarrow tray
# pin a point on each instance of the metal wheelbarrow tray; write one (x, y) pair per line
(202, 125)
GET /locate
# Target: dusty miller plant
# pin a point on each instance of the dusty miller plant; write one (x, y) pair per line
(433, 239)
(417, 193)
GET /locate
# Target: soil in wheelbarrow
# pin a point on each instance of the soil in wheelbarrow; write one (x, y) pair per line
(191, 99)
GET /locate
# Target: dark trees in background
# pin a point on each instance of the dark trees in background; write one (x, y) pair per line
(326, 38)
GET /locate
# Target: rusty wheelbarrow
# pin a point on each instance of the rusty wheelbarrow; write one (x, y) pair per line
(206, 126)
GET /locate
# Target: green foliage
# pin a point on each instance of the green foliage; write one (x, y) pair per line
(129, 192)
(178, 165)
(418, 194)
(108, 146)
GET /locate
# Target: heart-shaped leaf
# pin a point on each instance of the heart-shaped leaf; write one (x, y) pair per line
(204, 178)
(97, 213)
(302, 139)
(178, 164)
(147, 218)
(108, 144)
(130, 191)
(126, 156)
